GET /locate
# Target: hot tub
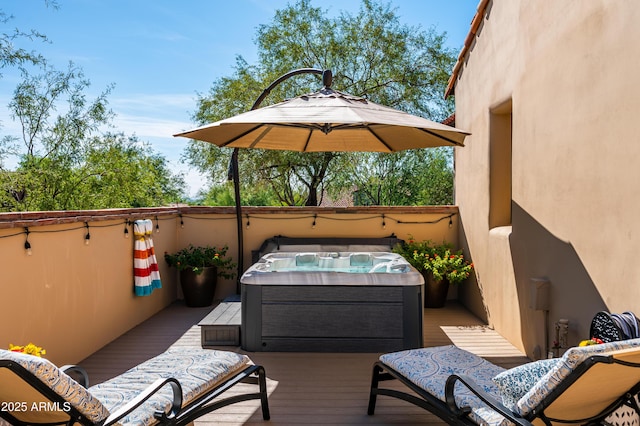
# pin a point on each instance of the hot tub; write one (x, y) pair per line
(331, 301)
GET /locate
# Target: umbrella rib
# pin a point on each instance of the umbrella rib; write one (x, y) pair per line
(262, 135)
(241, 135)
(306, 143)
(379, 138)
(441, 137)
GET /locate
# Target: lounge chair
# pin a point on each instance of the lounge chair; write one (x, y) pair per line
(174, 388)
(585, 386)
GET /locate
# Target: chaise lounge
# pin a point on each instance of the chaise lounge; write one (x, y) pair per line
(585, 386)
(176, 387)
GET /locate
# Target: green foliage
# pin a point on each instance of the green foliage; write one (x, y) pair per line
(10, 55)
(197, 258)
(124, 172)
(372, 55)
(415, 177)
(440, 260)
(222, 195)
(65, 162)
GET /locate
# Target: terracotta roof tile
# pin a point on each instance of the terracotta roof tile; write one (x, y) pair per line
(475, 25)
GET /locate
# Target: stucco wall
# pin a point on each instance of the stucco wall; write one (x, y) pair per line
(569, 69)
(73, 298)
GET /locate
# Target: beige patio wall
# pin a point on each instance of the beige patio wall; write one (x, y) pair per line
(568, 68)
(73, 298)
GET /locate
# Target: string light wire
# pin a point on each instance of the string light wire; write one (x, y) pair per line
(385, 218)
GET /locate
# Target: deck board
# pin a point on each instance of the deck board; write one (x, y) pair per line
(304, 388)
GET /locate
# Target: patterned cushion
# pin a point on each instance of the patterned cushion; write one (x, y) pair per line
(429, 369)
(60, 383)
(568, 363)
(516, 382)
(198, 370)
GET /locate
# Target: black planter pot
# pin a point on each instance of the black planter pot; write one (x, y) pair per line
(199, 289)
(435, 292)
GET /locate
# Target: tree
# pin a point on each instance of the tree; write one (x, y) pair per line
(121, 171)
(10, 55)
(420, 177)
(371, 54)
(222, 195)
(66, 162)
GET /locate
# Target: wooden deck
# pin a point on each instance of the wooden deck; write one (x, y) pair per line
(304, 388)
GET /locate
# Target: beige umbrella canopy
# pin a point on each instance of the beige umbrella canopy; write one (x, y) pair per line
(327, 120)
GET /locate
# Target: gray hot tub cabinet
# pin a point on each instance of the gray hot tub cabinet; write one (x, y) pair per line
(331, 318)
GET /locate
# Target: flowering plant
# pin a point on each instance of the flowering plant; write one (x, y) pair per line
(440, 259)
(447, 264)
(198, 258)
(29, 349)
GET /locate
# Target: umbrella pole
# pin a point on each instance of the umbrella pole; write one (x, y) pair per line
(236, 191)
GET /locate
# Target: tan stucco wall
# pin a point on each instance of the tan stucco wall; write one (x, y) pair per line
(73, 298)
(569, 69)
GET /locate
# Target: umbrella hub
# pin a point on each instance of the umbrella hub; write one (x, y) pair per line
(327, 79)
(330, 93)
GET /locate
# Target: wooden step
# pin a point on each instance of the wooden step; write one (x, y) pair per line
(222, 326)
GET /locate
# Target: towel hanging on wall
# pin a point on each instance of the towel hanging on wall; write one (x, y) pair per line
(145, 265)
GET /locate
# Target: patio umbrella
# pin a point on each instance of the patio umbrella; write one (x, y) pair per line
(327, 120)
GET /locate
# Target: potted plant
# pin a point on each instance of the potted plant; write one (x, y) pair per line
(199, 269)
(440, 266)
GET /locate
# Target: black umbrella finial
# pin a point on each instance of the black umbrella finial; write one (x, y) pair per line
(327, 78)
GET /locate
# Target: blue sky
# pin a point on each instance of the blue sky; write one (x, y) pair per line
(160, 53)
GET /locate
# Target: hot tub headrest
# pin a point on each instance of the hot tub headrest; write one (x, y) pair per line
(307, 259)
(360, 259)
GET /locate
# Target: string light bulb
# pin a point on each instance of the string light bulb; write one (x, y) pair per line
(248, 222)
(384, 224)
(157, 225)
(27, 244)
(181, 222)
(87, 237)
(450, 221)
(126, 229)
(313, 225)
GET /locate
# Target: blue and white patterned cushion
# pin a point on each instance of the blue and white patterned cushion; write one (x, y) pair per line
(60, 383)
(568, 363)
(429, 369)
(517, 381)
(198, 370)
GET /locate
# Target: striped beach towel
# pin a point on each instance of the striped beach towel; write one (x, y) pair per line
(145, 265)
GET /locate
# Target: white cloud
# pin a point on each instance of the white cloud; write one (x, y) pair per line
(154, 101)
(147, 126)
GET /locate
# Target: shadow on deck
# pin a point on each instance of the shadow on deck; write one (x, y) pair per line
(304, 388)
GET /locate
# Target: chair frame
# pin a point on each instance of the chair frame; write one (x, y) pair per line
(449, 411)
(177, 414)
